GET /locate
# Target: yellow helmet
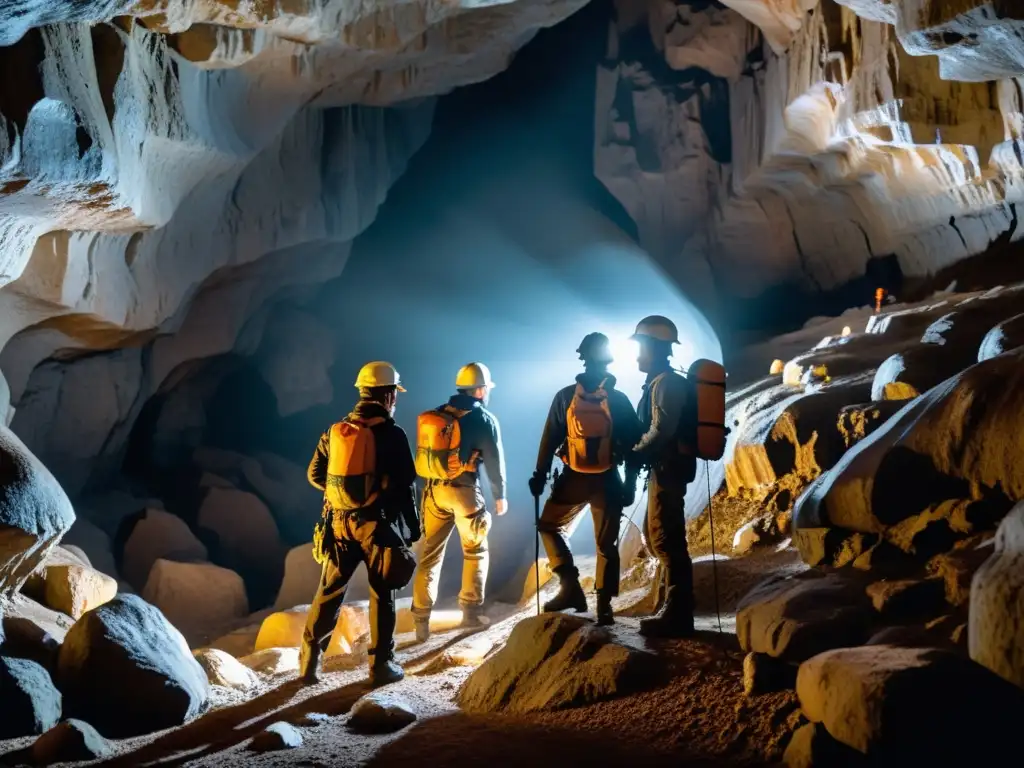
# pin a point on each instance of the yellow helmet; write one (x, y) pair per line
(658, 328)
(378, 374)
(474, 375)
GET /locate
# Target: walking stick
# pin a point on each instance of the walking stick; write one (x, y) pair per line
(536, 546)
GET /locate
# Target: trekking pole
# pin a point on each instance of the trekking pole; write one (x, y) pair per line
(714, 562)
(536, 546)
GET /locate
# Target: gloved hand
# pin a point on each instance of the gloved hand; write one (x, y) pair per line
(537, 483)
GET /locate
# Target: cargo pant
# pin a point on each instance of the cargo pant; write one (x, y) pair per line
(570, 495)
(665, 523)
(447, 507)
(352, 547)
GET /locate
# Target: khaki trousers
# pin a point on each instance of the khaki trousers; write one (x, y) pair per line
(447, 508)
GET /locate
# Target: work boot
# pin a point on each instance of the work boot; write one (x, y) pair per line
(605, 617)
(472, 617)
(675, 619)
(422, 625)
(309, 662)
(385, 673)
(570, 595)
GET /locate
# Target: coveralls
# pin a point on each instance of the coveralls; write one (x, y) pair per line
(459, 504)
(390, 522)
(573, 491)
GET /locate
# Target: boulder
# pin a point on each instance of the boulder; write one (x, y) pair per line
(951, 451)
(247, 540)
(35, 584)
(196, 597)
(276, 736)
(273, 661)
(555, 661)
(301, 578)
(908, 637)
(794, 618)
(159, 683)
(631, 545)
(907, 704)
(381, 712)
(71, 741)
(996, 619)
(284, 628)
(812, 747)
(75, 589)
(33, 631)
(31, 703)
(157, 535)
(34, 513)
(225, 670)
(957, 567)
(908, 597)
(764, 674)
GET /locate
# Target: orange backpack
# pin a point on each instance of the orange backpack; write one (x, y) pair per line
(438, 441)
(588, 423)
(703, 430)
(352, 481)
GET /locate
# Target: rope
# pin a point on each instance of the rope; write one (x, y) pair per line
(714, 561)
(629, 519)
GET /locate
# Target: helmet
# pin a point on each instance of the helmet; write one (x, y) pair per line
(473, 375)
(378, 374)
(594, 349)
(658, 328)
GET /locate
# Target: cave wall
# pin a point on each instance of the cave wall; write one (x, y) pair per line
(795, 151)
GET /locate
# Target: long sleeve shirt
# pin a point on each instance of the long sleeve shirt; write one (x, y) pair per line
(661, 411)
(626, 426)
(481, 441)
(397, 501)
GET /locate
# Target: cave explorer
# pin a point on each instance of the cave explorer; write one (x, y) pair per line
(664, 411)
(452, 442)
(592, 427)
(365, 468)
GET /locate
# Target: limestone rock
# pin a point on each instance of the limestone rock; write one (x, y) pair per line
(284, 628)
(33, 631)
(196, 597)
(159, 685)
(301, 578)
(247, 539)
(894, 703)
(996, 619)
(276, 736)
(157, 535)
(764, 674)
(554, 662)
(747, 536)
(75, 589)
(31, 702)
(273, 661)
(225, 670)
(71, 741)
(34, 513)
(908, 597)
(794, 618)
(812, 747)
(381, 712)
(957, 568)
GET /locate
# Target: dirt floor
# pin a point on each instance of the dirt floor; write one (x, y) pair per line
(697, 716)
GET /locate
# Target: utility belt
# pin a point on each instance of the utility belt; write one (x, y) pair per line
(455, 481)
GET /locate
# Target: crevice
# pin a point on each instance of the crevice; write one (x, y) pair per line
(952, 223)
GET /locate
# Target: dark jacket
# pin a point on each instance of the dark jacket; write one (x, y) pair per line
(661, 410)
(481, 436)
(626, 427)
(397, 502)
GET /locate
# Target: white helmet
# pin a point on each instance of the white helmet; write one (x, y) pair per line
(378, 374)
(656, 327)
(474, 375)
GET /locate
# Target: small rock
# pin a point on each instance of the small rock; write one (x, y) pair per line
(224, 669)
(273, 661)
(31, 702)
(794, 618)
(71, 741)
(555, 661)
(908, 597)
(894, 704)
(812, 747)
(381, 712)
(745, 539)
(158, 683)
(75, 589)
(276, 736)
(312, 719)
(764, 674)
